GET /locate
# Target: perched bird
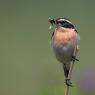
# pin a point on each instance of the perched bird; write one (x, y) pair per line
(64, 41)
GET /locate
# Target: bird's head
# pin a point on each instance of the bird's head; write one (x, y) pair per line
(61, 22)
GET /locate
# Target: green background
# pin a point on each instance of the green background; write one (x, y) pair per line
(27, 63)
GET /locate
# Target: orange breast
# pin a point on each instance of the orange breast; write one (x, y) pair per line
(62, 35)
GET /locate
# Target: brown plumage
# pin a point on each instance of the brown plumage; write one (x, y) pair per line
(63, 35)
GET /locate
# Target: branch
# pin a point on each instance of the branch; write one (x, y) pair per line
(69, 77)
(70, 72)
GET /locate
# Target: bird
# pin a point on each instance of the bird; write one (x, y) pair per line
(65, 43)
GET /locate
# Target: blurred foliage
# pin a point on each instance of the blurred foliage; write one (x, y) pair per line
(27, 63)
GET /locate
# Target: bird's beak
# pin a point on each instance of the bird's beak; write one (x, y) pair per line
(50, 26)
(51, 22)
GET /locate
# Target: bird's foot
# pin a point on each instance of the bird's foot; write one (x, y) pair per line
(74, 58)
(68, 82)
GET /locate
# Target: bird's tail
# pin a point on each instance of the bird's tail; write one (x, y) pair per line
(66, 69)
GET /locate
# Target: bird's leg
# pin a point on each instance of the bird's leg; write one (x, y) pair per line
(66, 73)
(68, 79)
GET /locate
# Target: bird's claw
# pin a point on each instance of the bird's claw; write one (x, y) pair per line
(74, 58)
(68, 82)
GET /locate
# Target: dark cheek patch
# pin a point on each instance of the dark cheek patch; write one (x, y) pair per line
(65, 24)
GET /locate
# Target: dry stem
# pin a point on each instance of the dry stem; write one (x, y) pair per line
(70, 72)
(69, 77)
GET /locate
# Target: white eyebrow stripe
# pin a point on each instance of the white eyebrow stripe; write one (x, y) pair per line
(61, 20)
(64, 20)
(68, 21)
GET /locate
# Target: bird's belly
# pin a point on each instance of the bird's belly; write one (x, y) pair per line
(63, 51)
